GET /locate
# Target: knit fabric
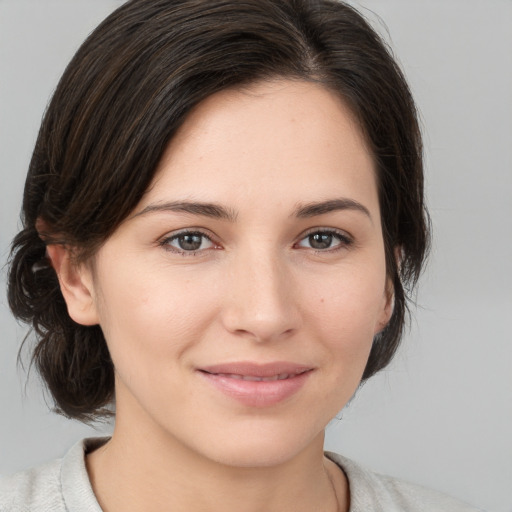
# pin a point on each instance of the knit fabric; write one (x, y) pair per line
(63, 486)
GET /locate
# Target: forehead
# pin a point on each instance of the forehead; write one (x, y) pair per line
(288, 138)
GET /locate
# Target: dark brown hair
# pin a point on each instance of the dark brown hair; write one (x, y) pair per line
(122, 98)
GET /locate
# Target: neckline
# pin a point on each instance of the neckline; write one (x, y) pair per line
(79, 496)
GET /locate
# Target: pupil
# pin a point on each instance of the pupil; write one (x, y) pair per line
(190, 242)
(320, 240)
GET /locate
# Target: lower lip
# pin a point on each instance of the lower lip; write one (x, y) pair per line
(257, 393)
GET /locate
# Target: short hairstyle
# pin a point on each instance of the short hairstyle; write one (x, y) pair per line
(119, 102)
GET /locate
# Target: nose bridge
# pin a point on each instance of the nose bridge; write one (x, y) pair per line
(261, 294)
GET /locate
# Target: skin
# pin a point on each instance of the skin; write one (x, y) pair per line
(257, 289)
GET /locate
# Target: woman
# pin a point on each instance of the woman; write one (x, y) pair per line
(221, 217)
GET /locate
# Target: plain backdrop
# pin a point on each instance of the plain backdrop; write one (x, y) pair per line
(441, 414)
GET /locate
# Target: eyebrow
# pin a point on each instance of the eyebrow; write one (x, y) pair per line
(216, 211)
(304, 211)
(211, 210)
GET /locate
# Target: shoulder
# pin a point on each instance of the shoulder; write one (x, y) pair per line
(58, 486)
(372, 491)
(34, 489)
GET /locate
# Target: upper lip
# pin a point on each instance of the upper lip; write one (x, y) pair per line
(248, 368)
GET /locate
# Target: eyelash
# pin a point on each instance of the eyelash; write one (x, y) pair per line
(345, 241)
(166, 242)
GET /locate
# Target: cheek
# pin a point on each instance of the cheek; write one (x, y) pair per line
(351, 301)
(346, 314)
(148, 316)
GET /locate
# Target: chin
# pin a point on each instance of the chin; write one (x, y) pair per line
(261, 445)
(256, 456)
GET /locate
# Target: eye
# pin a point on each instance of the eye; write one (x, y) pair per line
(187, 242)
(324, 240)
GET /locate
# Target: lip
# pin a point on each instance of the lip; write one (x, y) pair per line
(282, 381)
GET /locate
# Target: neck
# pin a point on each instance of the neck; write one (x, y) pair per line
(139, 471)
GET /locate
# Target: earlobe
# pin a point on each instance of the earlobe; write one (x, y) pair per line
(387, 310)
(389, 294)
(388, 304)
(76, 285)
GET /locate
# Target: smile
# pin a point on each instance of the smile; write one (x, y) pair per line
(255, 385)
(254, 378)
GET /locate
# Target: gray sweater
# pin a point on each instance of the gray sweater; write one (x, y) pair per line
(63, 486)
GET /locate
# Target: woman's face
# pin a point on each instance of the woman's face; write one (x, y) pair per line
(240, 299)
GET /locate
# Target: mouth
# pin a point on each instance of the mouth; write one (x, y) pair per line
(257, 385)
(255, 378)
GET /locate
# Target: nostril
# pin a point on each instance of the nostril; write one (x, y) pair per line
(260, 305)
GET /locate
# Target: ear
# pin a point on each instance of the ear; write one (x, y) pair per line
(389, 295)
(76, 285)
(388, 303)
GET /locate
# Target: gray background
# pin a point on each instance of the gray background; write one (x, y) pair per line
(441, 415)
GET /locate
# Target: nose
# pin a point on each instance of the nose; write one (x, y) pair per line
(261, 304)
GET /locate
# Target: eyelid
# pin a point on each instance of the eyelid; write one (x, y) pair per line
(173, 235)
(345, 238)
(324, 229)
